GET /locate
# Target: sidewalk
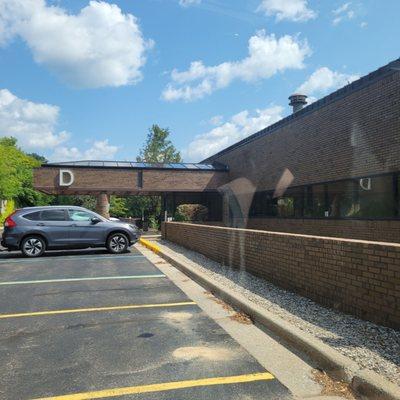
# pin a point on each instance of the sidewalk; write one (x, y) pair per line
(368, 347)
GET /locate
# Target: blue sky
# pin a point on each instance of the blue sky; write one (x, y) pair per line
(82, 79)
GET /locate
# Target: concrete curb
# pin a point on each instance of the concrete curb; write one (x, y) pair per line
(366, 383)
(151, 246)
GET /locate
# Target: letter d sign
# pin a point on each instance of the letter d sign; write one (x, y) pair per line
(66, 177)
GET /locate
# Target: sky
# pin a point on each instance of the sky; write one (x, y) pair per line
(86, 79)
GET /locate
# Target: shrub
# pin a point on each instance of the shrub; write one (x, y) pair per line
(191, 212)
(153, 222)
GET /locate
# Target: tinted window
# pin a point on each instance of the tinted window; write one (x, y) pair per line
(78, 215)
(53, 215)
(34, 216)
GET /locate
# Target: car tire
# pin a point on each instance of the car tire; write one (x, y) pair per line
(117, 243)
(33, 246)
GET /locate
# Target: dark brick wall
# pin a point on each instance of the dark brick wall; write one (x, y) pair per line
(354, 136)
(358, 277)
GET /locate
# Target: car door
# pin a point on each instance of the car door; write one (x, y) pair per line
(82, 230)
(54, 225)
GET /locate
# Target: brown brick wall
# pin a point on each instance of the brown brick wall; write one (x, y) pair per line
(381, 231)
(120, 181)
(358, 277)
(354, 136)
(375, 230)
(175, 181)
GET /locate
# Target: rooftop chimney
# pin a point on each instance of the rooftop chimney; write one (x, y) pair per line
(297, 101)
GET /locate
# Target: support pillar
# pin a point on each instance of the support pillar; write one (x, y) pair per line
(103, 205)
(164, 211)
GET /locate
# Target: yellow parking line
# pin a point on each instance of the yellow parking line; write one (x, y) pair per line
(161, 387)
(83, 310)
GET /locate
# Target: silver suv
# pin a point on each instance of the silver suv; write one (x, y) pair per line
(34, 230)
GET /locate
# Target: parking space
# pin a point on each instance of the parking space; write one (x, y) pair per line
(83, 325)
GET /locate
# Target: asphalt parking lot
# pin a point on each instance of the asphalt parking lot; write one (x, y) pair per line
(85, 324)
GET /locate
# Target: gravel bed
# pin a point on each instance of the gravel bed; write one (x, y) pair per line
(371, 346)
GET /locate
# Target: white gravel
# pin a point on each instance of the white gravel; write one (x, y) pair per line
(371, 346)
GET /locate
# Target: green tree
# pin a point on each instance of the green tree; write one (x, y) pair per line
(16, 169)
(158, 148)
(118, 207)
(38, 157)
(16, 175)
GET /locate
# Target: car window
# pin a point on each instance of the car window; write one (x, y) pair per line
(79, 215)
(34, 216)
(53, 215)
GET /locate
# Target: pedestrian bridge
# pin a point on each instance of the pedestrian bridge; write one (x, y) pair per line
(104, 178)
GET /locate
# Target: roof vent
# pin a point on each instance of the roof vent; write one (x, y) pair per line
(297, 101)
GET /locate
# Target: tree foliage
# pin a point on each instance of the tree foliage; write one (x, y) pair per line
(16, 173)
(118, 207)
(158, 148)
(191, 212)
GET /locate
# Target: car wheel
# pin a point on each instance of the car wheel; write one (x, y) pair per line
(117, 243)
(33, 246)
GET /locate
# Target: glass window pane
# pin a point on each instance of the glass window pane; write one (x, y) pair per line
(204, 166)
(285, 207)
(376, 197)
(138, 164)
(78, 215)
(109, 163)
(342, 199)
(124, 164)
(178, 165)
(35, 216)
(191, 166)
(53, 215)
(258, 205)
(314, 203)
(264, 205)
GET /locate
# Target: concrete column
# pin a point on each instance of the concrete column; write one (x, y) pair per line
(103, 205)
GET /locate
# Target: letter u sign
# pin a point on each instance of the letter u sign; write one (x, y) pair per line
(66, 177)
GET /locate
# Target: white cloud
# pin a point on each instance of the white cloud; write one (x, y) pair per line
(292, 10)
(99, 46)
(238, 127)
(33, 124)
(100, 150)
(324, 80)
(268, 55)
(188, 3)
(216, 120)
(344, 12)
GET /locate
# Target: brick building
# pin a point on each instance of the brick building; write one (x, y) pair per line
(331, 168)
